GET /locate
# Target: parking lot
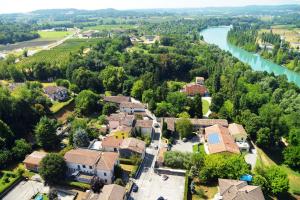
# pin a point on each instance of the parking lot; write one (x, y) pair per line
(152, 186)
(185, 146)
(25, 190)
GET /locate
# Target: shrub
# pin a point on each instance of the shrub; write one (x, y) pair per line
(79, 185)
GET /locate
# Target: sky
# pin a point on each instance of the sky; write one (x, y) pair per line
(10, 6)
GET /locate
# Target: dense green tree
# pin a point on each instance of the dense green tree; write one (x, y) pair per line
(6, 134)
(261, 181)
(137, 89)
(278, 181)
(263, 137)
(197, 102)
(176, 159)
(291, 156)
(113, 78)
(53, 168)
(184, 127)
(45, 133)
(81, 138)
(109, 108)
(87, 102)
(21, 149)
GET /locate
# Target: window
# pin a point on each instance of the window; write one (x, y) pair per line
(105, 181)
(83, 166)
(115, 149)
(90, 167)
(104, 174)
(78, 166)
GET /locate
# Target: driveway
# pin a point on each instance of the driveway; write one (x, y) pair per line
(25, 190)
(185, 146)
(251, 157)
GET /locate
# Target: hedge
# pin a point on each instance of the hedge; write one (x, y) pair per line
(79, 185)
(126, 161)
(186, 187)
(12, 178)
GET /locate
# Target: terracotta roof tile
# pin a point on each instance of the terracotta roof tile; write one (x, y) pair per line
(83, 156)
(116, 99)
(134, 145)
(131, 105)
(237, 129)
(34, 158)
(112, 192)
(107, 161)
(111, 141)
(144, 123)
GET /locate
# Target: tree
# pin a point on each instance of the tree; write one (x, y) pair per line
(223, 166)
(86, 102)
(260, 181)
(96, 184)
(119, 181)
(85, 79)
(177, 159)
(137, 89)
(291, 156)
(109, 108)
(45, 133)
(81, 138)
(113, 78)
(53, 168)
(21, 149)
(277, 179)
(184, 127)
(6, 134)
(263, 137)
(197, 108)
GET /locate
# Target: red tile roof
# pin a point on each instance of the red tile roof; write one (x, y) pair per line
(111, 141)
(34, 158)
(192, 89)
(226, 142)
(134, 145)
(144, 123)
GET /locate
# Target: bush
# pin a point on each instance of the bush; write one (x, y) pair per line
(179, 160)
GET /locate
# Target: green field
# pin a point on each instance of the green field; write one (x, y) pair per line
(205, 106)
(59, 55)
(53, 35)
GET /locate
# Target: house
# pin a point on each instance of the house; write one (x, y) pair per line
(239, 135)
(121, 132)
(145, 127)
(118, 119)
(32, 161)
(200, 80)
(92, 162)
(116, 99)
(131, 108)
(197, 87)
(108, 192)
(235, 189)
(198, 124)
(112, 192)
(132, 146)
(111, 143)
(56, 93)
(218, 140)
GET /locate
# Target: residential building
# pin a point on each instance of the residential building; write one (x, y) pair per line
(121, 132)
(145, 127)
(132, 146)
(239, 135)
(118, 119)
(197, 87)
(218, 140)
(108, 192)
(198, 124)
(131, 108)
(92, 162)
(32, 161)
(116, 99)
(111, 143)
(56, 93)
(236, 189)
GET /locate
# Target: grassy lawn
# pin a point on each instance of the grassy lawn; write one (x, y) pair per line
(57, 106)
(205, 106)
(198, 148)
(204, 192)
(53, 35)
(7, 178)
(128, 168)
(263, 160)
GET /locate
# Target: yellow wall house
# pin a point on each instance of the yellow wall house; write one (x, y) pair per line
(121, 132)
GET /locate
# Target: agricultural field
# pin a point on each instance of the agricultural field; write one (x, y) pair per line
(110, 27)
(290, 34)
(59, 55)
(53, 35)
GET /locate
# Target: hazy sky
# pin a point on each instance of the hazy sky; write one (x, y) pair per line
(8, 6)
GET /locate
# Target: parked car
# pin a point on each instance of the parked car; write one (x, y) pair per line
(160, 198)
(184, 140)
(156, 125)
(156, 146)
(135, 188)
(165, 177)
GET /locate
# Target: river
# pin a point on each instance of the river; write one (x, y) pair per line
(218, 36)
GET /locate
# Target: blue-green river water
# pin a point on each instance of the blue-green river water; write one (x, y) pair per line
(218, 36)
